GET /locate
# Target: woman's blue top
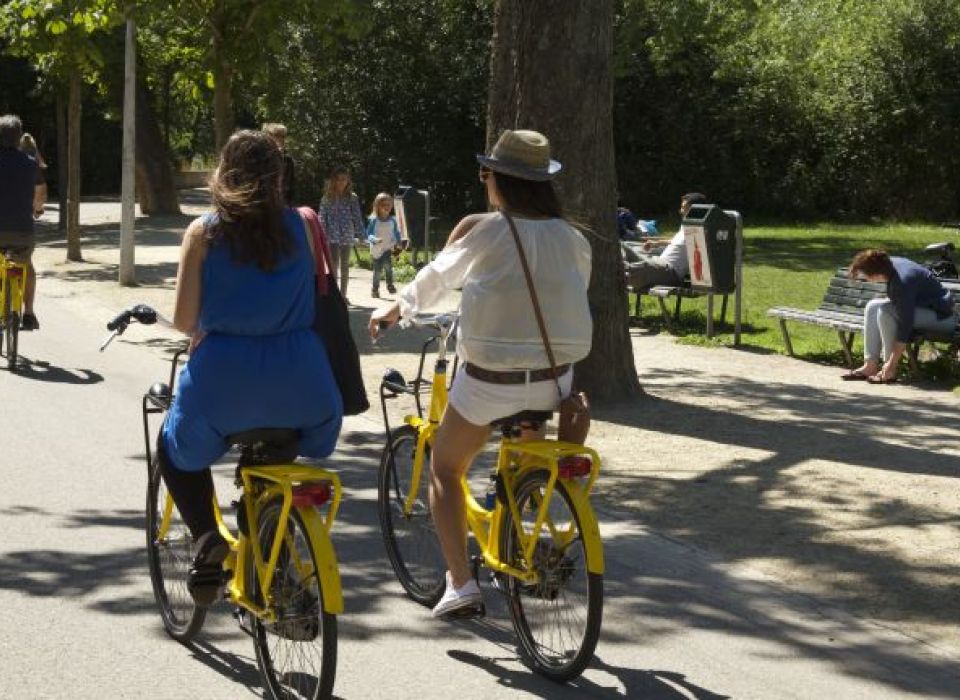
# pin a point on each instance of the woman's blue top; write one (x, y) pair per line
(913, 285)
(260, 365)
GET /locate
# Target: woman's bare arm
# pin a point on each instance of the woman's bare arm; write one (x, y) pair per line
(186, 306)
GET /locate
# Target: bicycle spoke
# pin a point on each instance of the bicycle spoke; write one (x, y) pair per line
(557, 618)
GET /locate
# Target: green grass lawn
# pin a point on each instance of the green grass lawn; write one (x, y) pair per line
(790, 266)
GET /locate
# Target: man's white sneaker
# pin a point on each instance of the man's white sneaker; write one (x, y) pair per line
(460, 599)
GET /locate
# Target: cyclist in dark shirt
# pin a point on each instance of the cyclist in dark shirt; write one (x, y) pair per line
(22, 196)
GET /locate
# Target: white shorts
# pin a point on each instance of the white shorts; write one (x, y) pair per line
(481, 403)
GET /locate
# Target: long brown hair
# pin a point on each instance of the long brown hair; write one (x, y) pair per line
(528, 196)
(248, 200)
(328, 194)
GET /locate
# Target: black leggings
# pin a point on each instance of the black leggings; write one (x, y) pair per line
(191, 491)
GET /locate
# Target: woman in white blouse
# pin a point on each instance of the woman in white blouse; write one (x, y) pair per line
(504, 367)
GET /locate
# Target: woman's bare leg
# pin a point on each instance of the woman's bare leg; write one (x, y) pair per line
(456, 443)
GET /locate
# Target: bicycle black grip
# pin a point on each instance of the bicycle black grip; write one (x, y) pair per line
(120, 319)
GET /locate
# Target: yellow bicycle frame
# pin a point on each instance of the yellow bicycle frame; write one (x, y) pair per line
(515, 460)
(12, 279)
(282, 480)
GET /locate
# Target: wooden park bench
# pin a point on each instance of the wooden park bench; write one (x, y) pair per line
(842, 310)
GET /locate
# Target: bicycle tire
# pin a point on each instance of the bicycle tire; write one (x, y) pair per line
(301, 617)
(420, 567)
(13, 341)
(11, 327)
(537, 609)
(170, 561)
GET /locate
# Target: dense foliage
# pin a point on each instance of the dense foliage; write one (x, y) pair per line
(811, 108)
(797, 107)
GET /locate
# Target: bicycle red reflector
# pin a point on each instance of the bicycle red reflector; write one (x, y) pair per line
(311, 495)
(575, 466)
(15, 272)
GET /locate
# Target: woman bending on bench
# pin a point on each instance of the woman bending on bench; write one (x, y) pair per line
(915, 300)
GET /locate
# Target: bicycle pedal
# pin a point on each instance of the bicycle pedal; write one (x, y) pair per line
(244, 620)
(470, 612)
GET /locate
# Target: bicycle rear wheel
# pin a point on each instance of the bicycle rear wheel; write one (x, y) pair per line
(557, 620)
(297, 654)
(170, 557)
(11, 329)
(411, 540)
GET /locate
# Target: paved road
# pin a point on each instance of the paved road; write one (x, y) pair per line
(78, 612)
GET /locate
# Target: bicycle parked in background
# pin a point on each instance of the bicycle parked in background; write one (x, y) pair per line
(282, 573)
(13, 276)
(536, 530)
(941, 262)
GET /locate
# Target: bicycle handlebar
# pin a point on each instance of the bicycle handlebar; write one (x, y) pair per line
(140, 313)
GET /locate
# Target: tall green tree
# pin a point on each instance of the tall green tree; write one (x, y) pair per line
(242, 34)
(59, 38)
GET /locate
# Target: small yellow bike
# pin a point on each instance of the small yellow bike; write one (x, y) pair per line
(282, 573)
(536, 531)
(13, 276)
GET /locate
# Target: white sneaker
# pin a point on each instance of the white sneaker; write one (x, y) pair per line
(455, 599)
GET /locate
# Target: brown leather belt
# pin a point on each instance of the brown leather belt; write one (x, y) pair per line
(512, 376)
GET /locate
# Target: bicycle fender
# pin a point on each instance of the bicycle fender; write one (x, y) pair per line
(326, 558)
(588, 525)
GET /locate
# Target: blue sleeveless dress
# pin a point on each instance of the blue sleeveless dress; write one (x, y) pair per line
(261, 365)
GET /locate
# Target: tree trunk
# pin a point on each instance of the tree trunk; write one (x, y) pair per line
(156, 188)
(62, 163)
(550, 71)
(73, 165)
(222, 80)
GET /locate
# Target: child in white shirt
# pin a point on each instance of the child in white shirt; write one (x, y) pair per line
(383, 234)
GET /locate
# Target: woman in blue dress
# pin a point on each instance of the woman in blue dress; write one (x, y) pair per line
(245, 294)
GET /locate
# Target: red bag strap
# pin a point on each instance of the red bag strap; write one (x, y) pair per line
(321, 248)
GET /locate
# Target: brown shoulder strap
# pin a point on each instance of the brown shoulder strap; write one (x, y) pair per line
(533, 299)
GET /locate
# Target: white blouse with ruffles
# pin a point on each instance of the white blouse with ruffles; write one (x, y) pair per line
(498, 328)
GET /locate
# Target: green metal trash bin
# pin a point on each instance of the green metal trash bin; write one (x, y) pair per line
(711, 238)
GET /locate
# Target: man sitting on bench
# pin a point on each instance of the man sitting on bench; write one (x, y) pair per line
(671, 267)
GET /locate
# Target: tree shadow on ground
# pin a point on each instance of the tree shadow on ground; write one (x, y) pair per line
(753, 508)
(665, 594)
(816, 252)
(160, 231)
(159, 274)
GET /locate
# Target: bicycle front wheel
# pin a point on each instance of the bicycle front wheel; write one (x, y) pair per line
(557, 620)
(410, 539)
(297, 653)
(170, 555)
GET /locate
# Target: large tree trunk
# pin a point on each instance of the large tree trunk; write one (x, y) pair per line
(156, 189)
(550, 71)
(222, 78)
(73, 165)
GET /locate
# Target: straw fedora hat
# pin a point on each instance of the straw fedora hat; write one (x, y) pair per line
(522, 154)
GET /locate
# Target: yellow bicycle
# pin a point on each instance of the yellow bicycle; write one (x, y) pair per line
(282, 573)
(13, 275)
(536, 532)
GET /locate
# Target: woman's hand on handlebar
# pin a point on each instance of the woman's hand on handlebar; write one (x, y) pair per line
(383, 318)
